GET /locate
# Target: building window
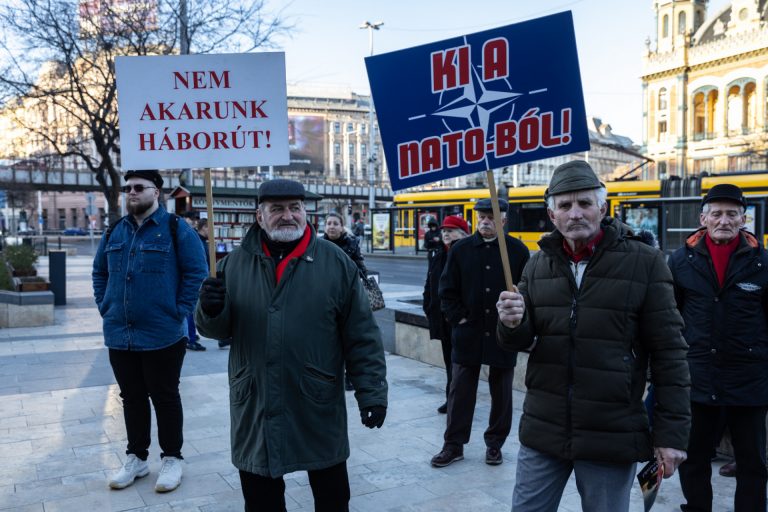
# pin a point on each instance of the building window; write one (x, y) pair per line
(750, 107)
(351, 170)
(338, 169)
(350, 127)
(62, 218)
(735, 117)
(363, 128)
(662, 130)
(336, 148)
(363, 151)
(661, 167)
(681, 23)
(699, 20)
(743, 15)
(336, 127)
(665, 26)
(701, 165)
(739, 163)
(73, 212)
(662, 99)
(351, 149)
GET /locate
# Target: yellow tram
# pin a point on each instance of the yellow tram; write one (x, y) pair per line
(669, 208)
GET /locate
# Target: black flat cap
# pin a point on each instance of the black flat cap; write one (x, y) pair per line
(571, 177)
(148, 174)
(281, 189)
(485, 205)
(725, 192)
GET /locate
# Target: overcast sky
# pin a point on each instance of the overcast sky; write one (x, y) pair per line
(329, 48)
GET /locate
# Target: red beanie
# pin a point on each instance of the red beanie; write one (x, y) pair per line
(455, 222)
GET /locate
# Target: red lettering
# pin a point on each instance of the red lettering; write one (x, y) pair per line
(408, 159)
(239, 108)
(220, 140)
(178, 77)
(451, 141)
(548, 138)
(495, 59)
(166, 114)
(218, 81)
(431, 154)
(450, 68)
(203, 108)
(256, 109)
(206, 140)
(197, 80)
(148, 113)
(146, 138)
(474, 145)
(183, 141)
(506, 140)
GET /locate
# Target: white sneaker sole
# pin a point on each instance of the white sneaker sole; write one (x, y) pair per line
(118, 485)
(162, 488)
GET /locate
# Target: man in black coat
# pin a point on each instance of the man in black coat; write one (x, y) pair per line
(721, 287)
(472, 280)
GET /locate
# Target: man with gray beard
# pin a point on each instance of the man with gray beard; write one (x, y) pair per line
(297, 313)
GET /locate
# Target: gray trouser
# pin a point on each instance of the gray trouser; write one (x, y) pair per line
(541, 478)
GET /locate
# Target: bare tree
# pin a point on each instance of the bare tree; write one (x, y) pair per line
(57, 74)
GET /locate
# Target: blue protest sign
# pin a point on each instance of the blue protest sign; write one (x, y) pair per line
(480, 101)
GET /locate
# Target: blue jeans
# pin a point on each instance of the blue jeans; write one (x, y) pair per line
(191, 328)
(541, 478)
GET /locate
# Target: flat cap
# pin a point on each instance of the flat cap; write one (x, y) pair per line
(281, 189)
(725, 192)
(148, 174)
(571, 177)
(486, 206)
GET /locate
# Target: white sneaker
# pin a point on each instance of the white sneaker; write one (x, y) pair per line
(170, 475)
(133, 468)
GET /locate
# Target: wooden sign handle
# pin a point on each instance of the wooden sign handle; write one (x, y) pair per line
(500, 234)
(211, 231)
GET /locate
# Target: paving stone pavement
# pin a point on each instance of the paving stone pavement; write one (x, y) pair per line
(62, 432)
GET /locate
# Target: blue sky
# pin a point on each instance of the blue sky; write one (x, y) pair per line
(329, 48)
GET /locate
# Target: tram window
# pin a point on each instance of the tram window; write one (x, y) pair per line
(643, 218)
(528, 217)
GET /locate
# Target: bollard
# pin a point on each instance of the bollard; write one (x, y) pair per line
(57, 275)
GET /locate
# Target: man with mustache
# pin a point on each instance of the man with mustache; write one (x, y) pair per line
(297, 314)
(595, 305)
(471, 281)
(721, 286)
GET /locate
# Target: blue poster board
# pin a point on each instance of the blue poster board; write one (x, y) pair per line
(480, 101)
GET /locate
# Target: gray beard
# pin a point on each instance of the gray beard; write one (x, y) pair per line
(285, 235)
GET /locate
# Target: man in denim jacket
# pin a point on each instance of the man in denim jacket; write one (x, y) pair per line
(146, 276)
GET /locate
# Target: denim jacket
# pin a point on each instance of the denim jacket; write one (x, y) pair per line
(145, 286)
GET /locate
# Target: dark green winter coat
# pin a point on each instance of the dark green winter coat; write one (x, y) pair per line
(587, 372)
(290, 342)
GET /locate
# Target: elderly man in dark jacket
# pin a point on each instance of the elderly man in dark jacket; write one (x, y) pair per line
(594, 307)
(721, 285)
(297, 313)
(471, 281)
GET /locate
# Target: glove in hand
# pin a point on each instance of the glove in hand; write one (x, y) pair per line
(212, 295)
(373, 416)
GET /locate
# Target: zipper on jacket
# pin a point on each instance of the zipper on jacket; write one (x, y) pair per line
(572, 348)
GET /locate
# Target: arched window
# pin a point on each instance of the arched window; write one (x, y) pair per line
(699, 116)
(662, 100)
(699, 19)
(750, 107)
(735, 110)
(665, 26)
(681, 23)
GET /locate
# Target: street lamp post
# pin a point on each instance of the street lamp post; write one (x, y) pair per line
(371, 155)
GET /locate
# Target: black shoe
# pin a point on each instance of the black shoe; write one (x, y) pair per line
(348, 384)
(447, 455)
(224, 343)
(443, 409)
(493, 456)
(728, 470)
(193, 345)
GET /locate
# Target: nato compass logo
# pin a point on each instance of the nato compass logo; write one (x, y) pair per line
(476, 109)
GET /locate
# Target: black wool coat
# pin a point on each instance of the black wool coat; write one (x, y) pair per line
(350, 244)
(726, 328)
(469, 287)
(439, 329)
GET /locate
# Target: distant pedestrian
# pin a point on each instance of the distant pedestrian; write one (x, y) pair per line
(469, 286)
(146, 276)
(433, 240)
(454, 228)
(297, 313)
(358, 228)
(721, 286)
(193, 342)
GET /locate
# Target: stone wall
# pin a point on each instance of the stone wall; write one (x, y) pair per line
(26, 309)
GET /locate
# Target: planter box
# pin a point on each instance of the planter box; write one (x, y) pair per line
(26, 309)
(31, 284)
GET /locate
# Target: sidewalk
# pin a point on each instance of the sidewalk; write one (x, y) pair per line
(62, 433)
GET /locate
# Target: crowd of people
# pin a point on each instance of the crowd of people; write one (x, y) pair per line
(599, 310)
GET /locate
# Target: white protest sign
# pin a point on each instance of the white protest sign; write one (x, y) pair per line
(181, 111)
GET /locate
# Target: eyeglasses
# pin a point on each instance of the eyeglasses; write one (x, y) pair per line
(138, 188)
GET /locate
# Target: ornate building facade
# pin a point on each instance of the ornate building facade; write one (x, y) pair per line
(705, 89)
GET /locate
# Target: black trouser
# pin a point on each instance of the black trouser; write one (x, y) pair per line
(153, 374)
(461, 405)
(446, 345)
(330, 488)
(747, 427)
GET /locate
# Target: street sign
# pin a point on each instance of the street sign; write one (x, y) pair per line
(182, 111)
(480, 101)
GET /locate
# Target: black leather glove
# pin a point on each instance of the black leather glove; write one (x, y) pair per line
(373, 416)
(212, 295)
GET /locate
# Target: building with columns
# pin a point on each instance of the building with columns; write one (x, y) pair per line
(705, 89)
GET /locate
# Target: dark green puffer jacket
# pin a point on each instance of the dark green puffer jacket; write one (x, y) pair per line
(587, 372)
(290, 343)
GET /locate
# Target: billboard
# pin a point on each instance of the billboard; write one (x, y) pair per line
(480, 101)
(306, 143)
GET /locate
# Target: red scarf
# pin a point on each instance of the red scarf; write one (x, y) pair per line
(586, 251)
(295, 253)
(720, 254)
